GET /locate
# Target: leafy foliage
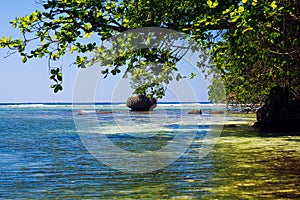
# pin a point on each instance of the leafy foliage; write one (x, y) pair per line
(56, 76)
(147, 56)
(254, 44)
(263, 51)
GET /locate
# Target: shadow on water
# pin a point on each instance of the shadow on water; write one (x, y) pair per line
(252, 165)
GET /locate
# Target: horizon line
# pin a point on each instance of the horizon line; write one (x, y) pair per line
(96, 102)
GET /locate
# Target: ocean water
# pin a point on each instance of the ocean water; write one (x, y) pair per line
(60, 151)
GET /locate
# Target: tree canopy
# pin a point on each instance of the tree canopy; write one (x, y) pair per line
(259, 45)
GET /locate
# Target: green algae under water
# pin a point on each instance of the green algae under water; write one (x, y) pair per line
(42, 157)
(249, 166)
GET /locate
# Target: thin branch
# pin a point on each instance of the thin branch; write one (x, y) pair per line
(120, 27)
(9, 53)
(285, 53)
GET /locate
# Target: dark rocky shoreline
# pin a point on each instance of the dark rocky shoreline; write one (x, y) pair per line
(280, 112)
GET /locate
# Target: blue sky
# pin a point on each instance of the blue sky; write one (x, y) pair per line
(27, 82)
(30, 82)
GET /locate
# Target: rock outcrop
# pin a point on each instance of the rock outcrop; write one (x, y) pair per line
(280, 112)
(141, 103)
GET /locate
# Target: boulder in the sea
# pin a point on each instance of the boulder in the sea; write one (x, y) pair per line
(195, 111)
(141, 103)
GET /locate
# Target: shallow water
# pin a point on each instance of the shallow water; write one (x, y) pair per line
(42, 156)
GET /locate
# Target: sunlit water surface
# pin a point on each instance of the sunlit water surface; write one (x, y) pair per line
(42, 157)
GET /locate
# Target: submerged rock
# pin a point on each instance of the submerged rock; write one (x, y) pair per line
(216, 112)
(141, 103)
(231, 126)
(103, 112)
(195, 111)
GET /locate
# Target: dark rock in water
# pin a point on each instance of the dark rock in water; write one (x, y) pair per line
(103, 112)
(141, 103)
(279, 113)
(247, 110)
(195, 111)
(216, 112)
(231, 126)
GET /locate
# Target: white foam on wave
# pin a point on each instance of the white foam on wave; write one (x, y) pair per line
(31, 105)
(130, 129)
(155, 124)
(141, 131)
(191, 105)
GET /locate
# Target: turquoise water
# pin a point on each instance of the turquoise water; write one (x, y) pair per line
(43, 156)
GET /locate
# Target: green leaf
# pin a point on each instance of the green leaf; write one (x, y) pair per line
(241, 9)
(53, 71)
(247, 29)
(226, 11)
(254, 2)
(125, 21)
(52, 77)
(72, 48)
(193, 75)
(24, 59)
(212, 4)
(273, 5)
(88, 34)
(59, 76)
(87, 26)
(57, 88)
